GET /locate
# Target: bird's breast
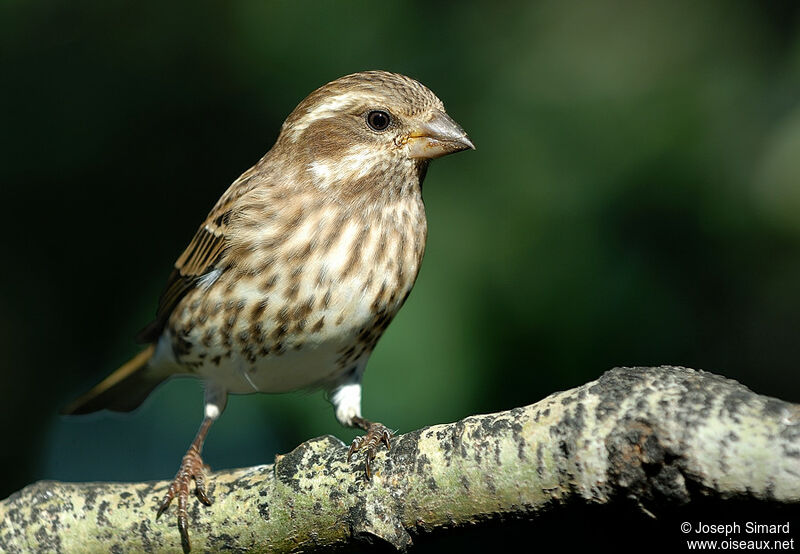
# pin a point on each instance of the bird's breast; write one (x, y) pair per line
(302, 304)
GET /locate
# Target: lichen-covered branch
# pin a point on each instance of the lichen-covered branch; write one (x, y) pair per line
(659, 435)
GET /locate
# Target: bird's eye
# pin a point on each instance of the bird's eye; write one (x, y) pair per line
(378, 120)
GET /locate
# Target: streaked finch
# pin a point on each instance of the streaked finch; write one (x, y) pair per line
(300, 266)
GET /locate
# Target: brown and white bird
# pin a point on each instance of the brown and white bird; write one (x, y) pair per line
(300, 266)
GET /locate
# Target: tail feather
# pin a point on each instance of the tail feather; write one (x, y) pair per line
(122, 391)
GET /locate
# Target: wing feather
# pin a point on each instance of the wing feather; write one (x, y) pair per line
(201, 256)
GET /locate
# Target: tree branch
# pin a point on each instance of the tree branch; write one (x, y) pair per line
(663, 435)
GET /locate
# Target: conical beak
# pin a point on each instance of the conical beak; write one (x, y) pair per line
(436, 137)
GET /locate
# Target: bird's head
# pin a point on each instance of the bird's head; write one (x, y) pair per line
(370, 124)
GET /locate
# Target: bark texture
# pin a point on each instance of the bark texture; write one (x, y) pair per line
(660, 435)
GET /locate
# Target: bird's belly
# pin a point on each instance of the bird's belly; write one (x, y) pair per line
(313, 365)
(301, 337)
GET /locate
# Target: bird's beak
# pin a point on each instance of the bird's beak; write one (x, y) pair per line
(438, 136)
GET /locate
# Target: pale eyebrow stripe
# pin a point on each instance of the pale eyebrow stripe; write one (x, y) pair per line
(330, 108)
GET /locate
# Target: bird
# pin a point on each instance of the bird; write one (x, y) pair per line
(299, 267)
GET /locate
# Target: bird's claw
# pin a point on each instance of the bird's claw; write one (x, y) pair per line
(192, 467)
(376, 434)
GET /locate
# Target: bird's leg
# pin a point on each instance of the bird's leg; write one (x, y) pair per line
(346, 400)
(192, 467)
(376, 434)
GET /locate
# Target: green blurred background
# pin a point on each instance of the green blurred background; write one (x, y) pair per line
(634, 200)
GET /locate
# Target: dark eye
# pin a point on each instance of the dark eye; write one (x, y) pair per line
(378, 120)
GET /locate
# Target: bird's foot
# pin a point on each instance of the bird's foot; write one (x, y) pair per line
(376, 434)
(192, 467)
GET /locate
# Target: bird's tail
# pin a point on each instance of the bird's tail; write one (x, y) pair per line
(122, 391)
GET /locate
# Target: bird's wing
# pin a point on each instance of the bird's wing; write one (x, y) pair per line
(200, 257)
